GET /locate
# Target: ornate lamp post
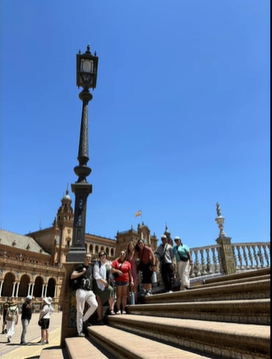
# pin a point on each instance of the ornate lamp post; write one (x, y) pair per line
(86, 67)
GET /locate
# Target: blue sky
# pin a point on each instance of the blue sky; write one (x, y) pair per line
(179, 119)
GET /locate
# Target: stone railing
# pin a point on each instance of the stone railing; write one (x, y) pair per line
(212, 259)
(251, 255)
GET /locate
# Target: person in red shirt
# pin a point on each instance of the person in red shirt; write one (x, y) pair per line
(121, 270)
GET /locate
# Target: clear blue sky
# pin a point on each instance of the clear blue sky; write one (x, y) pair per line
(179, 119)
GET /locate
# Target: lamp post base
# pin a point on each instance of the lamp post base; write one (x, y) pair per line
(76, 254)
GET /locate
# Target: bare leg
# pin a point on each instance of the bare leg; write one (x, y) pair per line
(99, 309)
(124, 297)
(111, 303)
(119, 296)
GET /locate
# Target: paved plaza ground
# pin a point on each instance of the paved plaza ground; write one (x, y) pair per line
(33, 350)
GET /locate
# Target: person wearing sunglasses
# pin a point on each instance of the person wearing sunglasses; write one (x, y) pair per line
(103, 290)
(121, 270)
(184, 262)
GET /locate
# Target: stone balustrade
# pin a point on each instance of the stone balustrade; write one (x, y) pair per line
(209, 260)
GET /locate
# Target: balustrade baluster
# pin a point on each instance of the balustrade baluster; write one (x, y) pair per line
(203, 270)
(216, 266)
(250, 256)
(245, 257)
(266, 255)
(240, 258)
(235, 258)
(255, 256)
(198, 273)
(209, 268)
(260, 255)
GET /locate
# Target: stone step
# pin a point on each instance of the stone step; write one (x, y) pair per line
(259, 289)
(208, 283)
(52, 354)
(207, 337)
(124, 345)
(246, 275)
(253, 311)
(81, 348)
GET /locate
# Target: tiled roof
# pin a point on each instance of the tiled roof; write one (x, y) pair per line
(22, 242)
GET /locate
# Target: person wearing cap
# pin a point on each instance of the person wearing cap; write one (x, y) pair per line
(26, 317)
(44, 319)
(165, 254)
(184, 262)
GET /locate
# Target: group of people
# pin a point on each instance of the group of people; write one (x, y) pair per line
(167, 256)
(96, 283)
(11, 317)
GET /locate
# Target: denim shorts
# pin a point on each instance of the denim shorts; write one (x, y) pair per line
(119, 284)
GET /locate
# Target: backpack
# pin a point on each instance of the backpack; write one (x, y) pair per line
(11, 313)
(75, 283)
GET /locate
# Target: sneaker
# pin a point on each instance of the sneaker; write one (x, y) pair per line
(24, 343)
(119, 312)
(81, 334)
(100, 322)
(8, 340)
(170, 291)
(112, 312)
(144, 293)
(148, 293)
(46, 342)
(124, 312)
(5, 331)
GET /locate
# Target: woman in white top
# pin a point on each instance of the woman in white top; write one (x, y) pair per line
(102, 289)
(11, 319)
(44, 319)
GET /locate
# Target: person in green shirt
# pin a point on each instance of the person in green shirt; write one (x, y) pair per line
(184, 262)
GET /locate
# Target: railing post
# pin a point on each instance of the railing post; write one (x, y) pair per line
(226, 254)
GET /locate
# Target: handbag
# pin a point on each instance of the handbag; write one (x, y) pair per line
(183, 259)
(40, 320)
(116, 275)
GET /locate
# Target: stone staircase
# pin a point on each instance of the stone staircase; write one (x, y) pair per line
(227, 317)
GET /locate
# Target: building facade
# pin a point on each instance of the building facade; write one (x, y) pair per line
(33, 263)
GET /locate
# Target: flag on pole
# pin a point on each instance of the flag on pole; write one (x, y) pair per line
(138, 213)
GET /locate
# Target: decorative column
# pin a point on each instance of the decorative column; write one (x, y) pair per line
(225, 251)
(86, 78)
(86, 70)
